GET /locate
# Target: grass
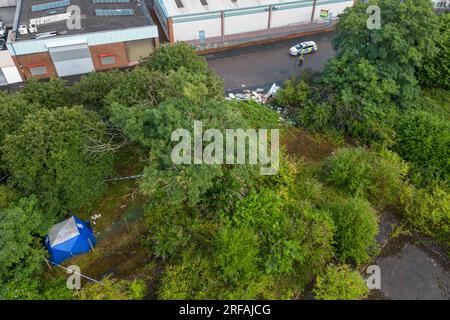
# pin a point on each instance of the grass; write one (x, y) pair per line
(305, 145)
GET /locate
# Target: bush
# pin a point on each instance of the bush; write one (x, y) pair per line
(237, 253)
(340, 283)
(173, 231)
(293, 94)
(423, 138)
(348, 170)
(37, 289)
(377, 177)
(356, 229)
(428, 212)
(113, 289)
(315, 117)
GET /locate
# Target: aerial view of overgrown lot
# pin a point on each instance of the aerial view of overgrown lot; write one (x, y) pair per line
(363, 143)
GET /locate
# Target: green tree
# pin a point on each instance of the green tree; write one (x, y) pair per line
(7, 196)
(93, 88)
(49, 94)
(340, 283)
(49, 156)
(173, 56)
(197, 87)
(435, 69)
(21, 250)
(13, 110)
(374, 71)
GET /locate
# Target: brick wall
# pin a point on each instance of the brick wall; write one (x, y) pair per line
(116, 49)
(41, 58)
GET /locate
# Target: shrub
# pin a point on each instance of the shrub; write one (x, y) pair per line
(377, 177)
(428, 212)
(423, 138)
(293, 94)
(348, 171)
(356, 229)
(237, 253)
(113, 289)
(340, 283)
(315, 116)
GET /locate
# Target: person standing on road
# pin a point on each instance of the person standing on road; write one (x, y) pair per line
(300, 59)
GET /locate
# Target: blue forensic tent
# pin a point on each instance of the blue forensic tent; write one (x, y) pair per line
(69, 238)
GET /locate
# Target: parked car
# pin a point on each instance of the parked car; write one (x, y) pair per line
(303, 48)
(2, 44)
(2, 30)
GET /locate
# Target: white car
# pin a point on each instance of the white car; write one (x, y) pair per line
(303, 48)
(2, 30)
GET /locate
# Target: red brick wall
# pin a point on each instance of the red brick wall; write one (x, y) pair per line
(36, 58)
(117, 49)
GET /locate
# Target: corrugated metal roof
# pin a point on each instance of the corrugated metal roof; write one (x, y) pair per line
(196, 6)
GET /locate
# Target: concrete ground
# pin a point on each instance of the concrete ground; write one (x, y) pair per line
(262, 65)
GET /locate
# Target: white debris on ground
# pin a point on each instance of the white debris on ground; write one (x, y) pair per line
(257, 95)
(94, 218)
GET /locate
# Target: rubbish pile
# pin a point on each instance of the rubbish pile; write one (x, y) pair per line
(94, 218)
(257, 95)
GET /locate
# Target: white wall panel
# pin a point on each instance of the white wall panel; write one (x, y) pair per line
(12, 75)
(246, 23)
(284, 18)
(6, 59)
(184, 31)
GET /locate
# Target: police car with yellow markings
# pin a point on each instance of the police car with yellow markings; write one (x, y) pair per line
(303, 48)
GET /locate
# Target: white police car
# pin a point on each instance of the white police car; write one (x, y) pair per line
(303, 48)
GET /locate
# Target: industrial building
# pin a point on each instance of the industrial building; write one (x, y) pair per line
(7, 10)
(70, 37)
(218, 21)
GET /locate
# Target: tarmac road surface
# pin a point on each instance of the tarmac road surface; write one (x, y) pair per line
(262, 65)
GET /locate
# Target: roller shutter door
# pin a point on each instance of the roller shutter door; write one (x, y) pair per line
(71, 60)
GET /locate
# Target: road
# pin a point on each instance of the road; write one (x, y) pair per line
(262, 65)
(256, 66)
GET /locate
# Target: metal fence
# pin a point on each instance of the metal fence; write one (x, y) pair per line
(261, 35)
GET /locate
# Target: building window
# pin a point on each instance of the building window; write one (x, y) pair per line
(106, 59)
(37, 69)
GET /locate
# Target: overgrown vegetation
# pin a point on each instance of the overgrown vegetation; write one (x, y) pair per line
(388, 89)
(224, 231)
